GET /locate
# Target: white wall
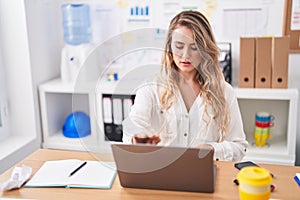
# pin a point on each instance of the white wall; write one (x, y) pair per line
(23, 136)
(4, 124)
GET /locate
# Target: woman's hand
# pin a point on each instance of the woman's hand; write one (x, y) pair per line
(145, 139)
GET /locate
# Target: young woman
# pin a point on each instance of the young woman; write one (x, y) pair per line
(190, 104)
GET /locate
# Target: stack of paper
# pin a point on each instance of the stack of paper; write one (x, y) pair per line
(94, 174)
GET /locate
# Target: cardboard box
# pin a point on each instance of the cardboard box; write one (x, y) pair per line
(280, 62)
(263, 62)
(247, 63)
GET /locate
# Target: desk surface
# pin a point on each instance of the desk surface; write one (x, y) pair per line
(286, 187)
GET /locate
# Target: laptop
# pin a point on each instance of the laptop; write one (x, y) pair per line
(165, 167)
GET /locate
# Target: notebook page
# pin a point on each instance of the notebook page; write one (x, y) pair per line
(94, 174)
(53, 173)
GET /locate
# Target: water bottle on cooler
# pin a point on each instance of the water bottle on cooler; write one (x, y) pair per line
(76, 23)
(77, 36)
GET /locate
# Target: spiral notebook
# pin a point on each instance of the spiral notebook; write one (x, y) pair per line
(56, 173)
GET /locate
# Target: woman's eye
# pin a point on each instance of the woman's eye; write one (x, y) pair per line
(194, 48)
(179, 46)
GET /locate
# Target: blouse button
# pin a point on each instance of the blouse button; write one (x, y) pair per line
(186, 115)
(185, 134)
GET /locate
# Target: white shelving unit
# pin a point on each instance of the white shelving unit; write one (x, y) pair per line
(58, 100)
(282, 103)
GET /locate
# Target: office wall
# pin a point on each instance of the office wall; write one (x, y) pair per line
(22, 136)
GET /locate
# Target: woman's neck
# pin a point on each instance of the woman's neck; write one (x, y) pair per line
(186, 77)
(189, 89)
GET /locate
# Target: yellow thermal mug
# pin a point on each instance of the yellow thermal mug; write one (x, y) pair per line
(254, 183)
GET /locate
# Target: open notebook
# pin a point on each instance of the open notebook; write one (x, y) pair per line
(55, 173)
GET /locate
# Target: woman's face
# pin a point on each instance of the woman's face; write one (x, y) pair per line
(185, 51)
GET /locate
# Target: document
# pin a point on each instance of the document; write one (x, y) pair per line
(60, 173)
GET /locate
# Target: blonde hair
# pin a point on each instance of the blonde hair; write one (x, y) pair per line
(209, 76)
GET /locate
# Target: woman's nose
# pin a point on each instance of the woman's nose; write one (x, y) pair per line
(186, 53)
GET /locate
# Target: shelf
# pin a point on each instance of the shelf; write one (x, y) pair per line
(272, 147)
(281, 103)
(104, 86)
(57, 102)
(262, 93)
(89, 143)
(275, 153)
(59, 86)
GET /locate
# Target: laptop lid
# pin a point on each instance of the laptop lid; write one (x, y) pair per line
(165, 167)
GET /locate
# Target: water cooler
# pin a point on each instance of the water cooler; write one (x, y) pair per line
(77, 37)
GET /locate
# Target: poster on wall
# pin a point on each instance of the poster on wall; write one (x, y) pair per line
(295, 15)
(230, 19)
(103, 16)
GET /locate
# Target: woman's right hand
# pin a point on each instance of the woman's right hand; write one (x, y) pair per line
(145, 139)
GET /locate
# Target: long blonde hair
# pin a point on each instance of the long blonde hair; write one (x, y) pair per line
(209, 76)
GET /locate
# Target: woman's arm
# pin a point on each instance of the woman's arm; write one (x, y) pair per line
(137, 125)
(234, 145)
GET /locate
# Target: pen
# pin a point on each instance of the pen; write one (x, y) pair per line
(297, 180)
(78, 168)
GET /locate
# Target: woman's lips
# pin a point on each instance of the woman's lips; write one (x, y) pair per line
(186, 63)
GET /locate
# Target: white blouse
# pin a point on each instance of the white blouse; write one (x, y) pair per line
(178, 127)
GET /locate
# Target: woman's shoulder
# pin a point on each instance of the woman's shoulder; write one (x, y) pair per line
(229, 91)
(228, 86)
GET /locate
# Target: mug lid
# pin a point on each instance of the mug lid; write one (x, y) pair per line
(254, 175)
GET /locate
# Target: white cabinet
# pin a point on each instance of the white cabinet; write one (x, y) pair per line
(59, 99)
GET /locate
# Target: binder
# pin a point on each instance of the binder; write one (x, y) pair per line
(263, 62)
(247, 63)
(107, 110)
(117, 111)
(280, 62)
(127, 103)
(116, 108)
(117, 119)
(107, 117)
